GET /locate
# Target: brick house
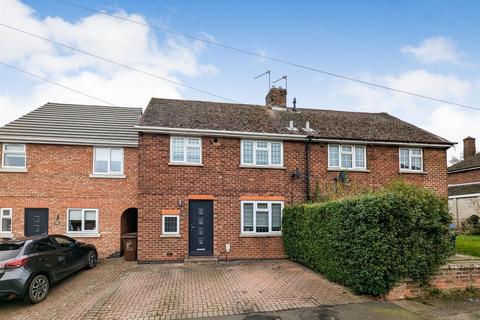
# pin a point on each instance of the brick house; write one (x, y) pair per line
(214, 177)
(464, 183)
(207, 178)
(70, 169)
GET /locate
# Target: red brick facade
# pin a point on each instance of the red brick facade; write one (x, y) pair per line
(58, 179)
(464, 177)
(169, 187)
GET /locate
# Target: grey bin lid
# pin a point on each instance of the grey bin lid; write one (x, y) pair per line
(130, 236)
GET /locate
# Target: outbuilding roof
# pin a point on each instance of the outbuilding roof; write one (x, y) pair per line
(465, 189)
(60, 123)
(245, 118)
(471, 163)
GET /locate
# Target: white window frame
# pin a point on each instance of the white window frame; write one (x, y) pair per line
(185, 162)
(4, 152)
(178, 224)
(353, 153)
(83, 231)
(410, 160)
(1, 221)
(269, 148)
(255, 203)
(109, 172)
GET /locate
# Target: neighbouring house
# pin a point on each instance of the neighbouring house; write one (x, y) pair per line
(214, 177)
(207, 178)
(464, 183)
(71, 169)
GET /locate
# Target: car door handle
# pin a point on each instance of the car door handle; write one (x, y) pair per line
(41, 259)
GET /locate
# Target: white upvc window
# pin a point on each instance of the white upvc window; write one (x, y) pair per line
(82, 220)
(170, 224)
(261, 153)
(411, 159)
(261, 217)
(14, 156)
(5, 220)
(108, 161)
(186, 150)
(347, 157)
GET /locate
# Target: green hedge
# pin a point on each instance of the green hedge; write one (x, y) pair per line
(371, 242)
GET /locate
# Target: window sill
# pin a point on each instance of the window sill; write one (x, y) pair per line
(6, 235)
(412, 172)
(259, 235)
(261, 167)
(83, 235)
(107, 176)
(170, 236)
(348, 170)
(185, 164)
(18, 170)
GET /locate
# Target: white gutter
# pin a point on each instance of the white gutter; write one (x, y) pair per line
(462, 170)
(463, 184)
(275, 136)
(64, 141)
(465, 196)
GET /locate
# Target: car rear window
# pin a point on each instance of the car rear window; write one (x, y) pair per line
(9, 250)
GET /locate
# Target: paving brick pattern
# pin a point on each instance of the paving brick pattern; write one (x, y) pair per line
(122, 290)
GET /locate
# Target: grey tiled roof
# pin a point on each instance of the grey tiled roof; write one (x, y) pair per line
(467, 164)
(326, 124)
(75, 124)
(464, 189)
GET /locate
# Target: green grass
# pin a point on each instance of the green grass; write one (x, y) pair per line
(468, 245)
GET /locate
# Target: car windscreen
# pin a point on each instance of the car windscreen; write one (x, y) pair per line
(9, 250)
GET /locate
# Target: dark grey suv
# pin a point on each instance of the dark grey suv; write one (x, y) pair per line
(29, 266)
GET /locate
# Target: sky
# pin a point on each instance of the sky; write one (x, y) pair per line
(427, 47)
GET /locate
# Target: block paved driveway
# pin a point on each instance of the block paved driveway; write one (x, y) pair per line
(125, 290)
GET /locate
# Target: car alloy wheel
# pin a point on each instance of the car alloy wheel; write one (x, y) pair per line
(38, 289)
(92, 259)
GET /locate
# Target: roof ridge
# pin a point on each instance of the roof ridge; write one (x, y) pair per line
(263, 106)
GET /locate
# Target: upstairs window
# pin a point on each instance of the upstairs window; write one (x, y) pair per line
(186, 150)
(411, 159)
(261, 217)
(261, 153)
(14, 156)
(82, 220)
(346, 157)
(108, 161)
(5, 220)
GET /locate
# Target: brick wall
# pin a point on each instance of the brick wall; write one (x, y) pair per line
(464, 177)
(58, 179)
(163, 186)
(449, 277)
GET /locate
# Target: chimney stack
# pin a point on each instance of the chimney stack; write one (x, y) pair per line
(469, 149)
(277, 97)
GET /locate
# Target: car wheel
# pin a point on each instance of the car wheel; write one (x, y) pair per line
(37, 289)
(92, 259)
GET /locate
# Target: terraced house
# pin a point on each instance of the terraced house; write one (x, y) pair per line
(208, 179)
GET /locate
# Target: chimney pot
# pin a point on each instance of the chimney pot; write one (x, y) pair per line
(277, 97)
(469, 149)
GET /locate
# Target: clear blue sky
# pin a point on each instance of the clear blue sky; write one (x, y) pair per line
(356, 38)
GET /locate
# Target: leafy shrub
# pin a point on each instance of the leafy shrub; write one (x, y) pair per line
(373, 241)
(471, 225)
